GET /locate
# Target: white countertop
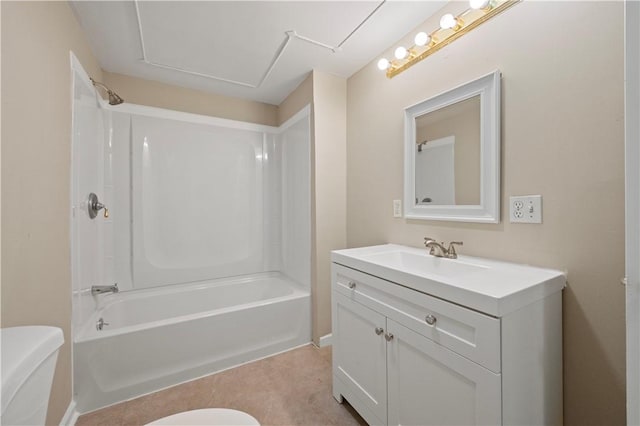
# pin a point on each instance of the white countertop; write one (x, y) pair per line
(489, 286)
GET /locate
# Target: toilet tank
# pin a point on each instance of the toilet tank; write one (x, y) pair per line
(28, 362)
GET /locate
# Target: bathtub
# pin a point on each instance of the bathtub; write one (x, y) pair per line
(160, 337)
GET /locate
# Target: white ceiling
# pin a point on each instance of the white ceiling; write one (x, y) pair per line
(259, 50)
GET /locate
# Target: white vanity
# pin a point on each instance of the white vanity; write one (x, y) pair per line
(422, 340)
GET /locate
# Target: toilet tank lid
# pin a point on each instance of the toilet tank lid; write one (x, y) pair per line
(22, 350)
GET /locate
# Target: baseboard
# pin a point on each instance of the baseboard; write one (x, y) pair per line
(71, 415)
(325, 340)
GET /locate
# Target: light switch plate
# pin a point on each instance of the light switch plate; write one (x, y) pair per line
(525, 209)
(397, 208)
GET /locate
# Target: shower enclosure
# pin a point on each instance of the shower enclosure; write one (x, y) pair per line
(208, 237)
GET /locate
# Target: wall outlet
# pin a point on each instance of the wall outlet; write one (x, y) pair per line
(397, 208)
(525, 209)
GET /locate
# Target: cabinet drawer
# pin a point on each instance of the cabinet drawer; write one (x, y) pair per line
(469, 333)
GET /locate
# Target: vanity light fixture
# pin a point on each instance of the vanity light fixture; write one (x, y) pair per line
(451, 28)
(450, 22)
(401, 52)
(422, 39)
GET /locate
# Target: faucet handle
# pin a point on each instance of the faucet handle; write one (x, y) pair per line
(427, 240)
(452, 254)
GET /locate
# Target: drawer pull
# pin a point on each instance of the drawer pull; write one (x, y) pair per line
(388, 336)
(430, 319)
(352, 284)
(379, 330)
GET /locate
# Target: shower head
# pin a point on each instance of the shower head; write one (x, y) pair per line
(114, 98)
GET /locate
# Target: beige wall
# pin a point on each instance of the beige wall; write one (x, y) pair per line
(562, 137)
(330, 135)
(152, 93)
(296, 100)
(327, 95)
(36, 153)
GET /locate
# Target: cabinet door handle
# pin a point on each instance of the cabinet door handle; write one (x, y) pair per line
(388, 336)
(352, 284)
(430, 319)
(379, 330)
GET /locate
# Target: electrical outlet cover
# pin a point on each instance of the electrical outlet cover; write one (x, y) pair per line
(525, 209)
(397, 208)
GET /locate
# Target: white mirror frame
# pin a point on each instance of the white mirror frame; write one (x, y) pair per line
(488, 211)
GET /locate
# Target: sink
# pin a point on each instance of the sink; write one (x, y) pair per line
(424, 264)
(491, 286)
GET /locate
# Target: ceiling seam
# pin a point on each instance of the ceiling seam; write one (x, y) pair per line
(198, 74)
(361, 23)
(337, 48)
(144, 54)
(289, 35)
(276, 58)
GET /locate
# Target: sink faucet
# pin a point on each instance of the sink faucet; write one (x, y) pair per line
(99, 289)
(438, 250)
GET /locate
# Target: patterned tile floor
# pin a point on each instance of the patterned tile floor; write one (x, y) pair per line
(292, 388)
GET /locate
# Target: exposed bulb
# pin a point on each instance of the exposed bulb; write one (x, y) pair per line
(479, 4)
(401, 53)
(422, 39)
(383, 64)
(448, 21)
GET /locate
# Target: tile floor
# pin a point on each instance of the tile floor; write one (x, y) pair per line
(293, 388)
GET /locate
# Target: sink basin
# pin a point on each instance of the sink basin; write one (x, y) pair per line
(490, 286)
(424, 264)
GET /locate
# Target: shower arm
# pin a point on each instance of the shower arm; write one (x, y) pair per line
(114, 98)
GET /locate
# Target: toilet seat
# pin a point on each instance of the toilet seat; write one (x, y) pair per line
(209, 417)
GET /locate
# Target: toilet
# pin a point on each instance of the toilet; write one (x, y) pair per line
(29, 357)
(208, 416)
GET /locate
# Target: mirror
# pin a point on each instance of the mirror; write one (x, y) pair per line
(452, 154)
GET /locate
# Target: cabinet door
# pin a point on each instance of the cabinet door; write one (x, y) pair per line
(431, 385)
(359, 357)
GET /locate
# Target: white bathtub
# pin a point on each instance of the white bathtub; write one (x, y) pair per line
(160, 337)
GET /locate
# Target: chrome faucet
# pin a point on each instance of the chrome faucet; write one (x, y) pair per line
(99, 289)
(438, 250)
(100, 324)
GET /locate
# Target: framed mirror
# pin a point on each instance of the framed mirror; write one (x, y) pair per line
(452, 154)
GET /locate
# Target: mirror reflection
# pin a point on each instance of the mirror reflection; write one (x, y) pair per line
(447, 155)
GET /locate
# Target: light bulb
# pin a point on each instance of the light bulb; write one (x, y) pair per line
(383, 64)
(478, 4)
(448, 21)
(401, 53)
(422, 39)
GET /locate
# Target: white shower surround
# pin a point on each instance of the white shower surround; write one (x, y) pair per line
(176, 335)
(252, 202)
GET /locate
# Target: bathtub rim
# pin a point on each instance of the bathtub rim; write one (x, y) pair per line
(88, 333)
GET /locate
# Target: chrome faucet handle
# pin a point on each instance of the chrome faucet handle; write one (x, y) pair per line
(451, 251)
(435, 248)
(94, 206)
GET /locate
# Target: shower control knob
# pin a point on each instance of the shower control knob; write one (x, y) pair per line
(379, 330)
(352, 284)
(94, 206)
(430, 319)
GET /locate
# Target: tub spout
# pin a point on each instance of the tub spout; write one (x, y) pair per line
(99, 289)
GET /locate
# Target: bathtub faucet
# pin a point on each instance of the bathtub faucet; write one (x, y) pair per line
(99, 289)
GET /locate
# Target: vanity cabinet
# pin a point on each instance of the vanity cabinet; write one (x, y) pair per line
(402, 356)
